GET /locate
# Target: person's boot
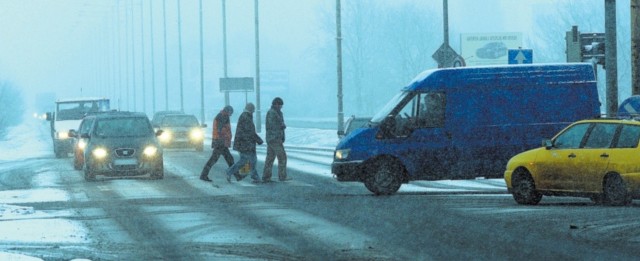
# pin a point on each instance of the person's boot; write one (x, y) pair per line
(204, 176)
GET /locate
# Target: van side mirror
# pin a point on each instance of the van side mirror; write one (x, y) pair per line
(547, 144)
(49, 116)
(340, 133)
(159, 132)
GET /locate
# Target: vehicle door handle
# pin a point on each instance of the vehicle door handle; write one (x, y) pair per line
(572, 155)
(604, 155)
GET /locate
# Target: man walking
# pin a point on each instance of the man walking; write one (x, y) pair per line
(221, 141)
(245, 143)
(275, 142)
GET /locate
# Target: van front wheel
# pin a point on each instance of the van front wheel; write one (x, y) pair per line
(383, 177)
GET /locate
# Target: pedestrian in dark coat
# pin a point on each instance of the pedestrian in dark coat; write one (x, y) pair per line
(275, 142)
(245, 143)
(220, 141)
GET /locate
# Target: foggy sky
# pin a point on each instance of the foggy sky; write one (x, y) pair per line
(70, 47)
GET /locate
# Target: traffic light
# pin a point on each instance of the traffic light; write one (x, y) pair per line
(593, 48)
(585, 47)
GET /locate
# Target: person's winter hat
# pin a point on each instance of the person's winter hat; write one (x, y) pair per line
(250, 107)
(228, 109)
(277, 101)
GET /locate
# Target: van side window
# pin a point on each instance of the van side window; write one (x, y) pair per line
(601, 135)
(432, 110)
(629, 137)
(572, 137)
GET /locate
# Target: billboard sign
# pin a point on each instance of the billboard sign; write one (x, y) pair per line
(488, 48)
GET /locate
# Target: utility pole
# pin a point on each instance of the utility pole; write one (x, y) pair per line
(144, 88)
(339, 69)
(201, 69)
(133, 55)
(166, 80)
(257, 28)
(153, 64)
(180, 54)
(635, 44)
(224, 47)
(611, 54)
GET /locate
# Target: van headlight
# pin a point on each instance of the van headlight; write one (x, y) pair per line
(342, 154)
(196, 134)
(99, 153)
(63, 135)
(150, 151)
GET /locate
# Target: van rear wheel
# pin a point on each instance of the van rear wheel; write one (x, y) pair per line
(383, 177)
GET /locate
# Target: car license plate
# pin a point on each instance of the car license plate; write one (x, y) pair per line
(125, 162)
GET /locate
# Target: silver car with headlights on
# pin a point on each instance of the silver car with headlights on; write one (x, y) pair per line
(181, 130)
(122, 144)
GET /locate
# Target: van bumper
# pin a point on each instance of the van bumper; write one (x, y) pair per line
(347, 171)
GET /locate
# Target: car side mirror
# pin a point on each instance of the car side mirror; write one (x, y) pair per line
(72, 133)
(159, 132)
(204, 125)
(49, 116)
(547, 144)
(340, 133)
(84, 135)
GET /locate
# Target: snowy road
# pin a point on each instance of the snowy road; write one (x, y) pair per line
(48, 211)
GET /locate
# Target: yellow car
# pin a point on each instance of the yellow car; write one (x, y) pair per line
(599, 159)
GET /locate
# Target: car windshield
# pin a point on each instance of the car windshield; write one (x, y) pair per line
(77, 110)
(122, 127)
(179, 121)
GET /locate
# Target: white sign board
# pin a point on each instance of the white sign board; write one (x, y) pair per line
(488, 48)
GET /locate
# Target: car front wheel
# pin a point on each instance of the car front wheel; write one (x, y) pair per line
(524, 189)
(383, 177)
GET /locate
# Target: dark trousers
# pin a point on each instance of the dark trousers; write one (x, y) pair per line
(215, 155)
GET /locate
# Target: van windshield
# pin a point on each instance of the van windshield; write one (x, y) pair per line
(384, 112)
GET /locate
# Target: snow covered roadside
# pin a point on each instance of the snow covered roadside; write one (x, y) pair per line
(25, 224)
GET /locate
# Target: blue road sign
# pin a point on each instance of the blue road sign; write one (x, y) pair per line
(520, 56)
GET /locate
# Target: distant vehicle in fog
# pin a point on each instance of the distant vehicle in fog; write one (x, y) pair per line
(68, 114)
(353, 123)
(181, 130)
(157, 117)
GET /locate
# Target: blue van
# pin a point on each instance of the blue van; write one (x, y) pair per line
(463, 123)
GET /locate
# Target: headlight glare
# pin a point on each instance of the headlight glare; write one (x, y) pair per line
(82, 144)
(165, 136)
(150, 151)
(342, 154)
(63, 134)
(196, 134)
(99, 153)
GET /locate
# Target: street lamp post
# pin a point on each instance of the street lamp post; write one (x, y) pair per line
(180, 54)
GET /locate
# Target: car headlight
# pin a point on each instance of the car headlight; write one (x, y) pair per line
(342, 154)
(82, 144)
(150, 151)
(196, 134)
(165, 136)
(63, 134)
(99, 153)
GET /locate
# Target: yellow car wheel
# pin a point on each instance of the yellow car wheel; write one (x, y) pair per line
(524, 188)
(614, 191)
